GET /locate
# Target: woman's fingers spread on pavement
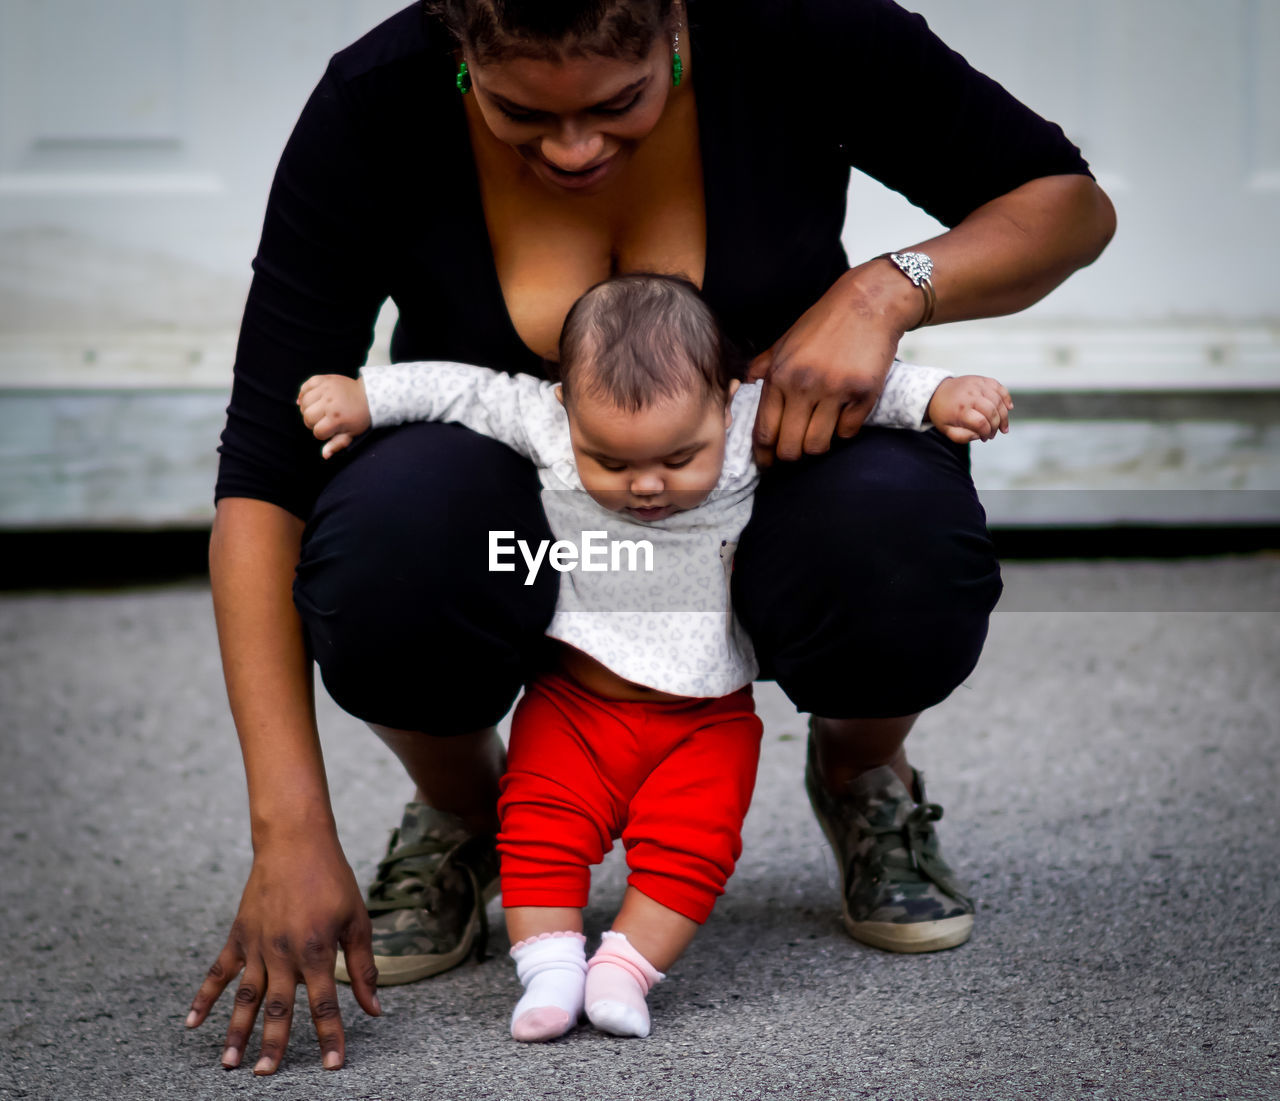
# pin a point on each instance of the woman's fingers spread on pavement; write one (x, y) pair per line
(357, 947)
(322, 996)
(225, 968)
(277, 1017)
(248, 998)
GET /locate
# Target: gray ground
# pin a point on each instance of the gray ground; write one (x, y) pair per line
(1109, 776)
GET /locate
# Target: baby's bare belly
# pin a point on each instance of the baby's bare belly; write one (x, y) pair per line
(603, 681)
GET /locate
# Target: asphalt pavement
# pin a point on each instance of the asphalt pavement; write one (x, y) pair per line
(1109, 775)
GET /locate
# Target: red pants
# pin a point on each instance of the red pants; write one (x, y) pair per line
(673, 780)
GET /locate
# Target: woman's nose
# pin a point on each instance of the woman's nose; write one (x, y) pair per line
(573, 148)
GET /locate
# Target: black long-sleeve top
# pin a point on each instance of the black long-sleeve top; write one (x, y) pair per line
(376, 195)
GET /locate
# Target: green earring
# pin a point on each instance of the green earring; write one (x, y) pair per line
(677, 66)
(463, 79)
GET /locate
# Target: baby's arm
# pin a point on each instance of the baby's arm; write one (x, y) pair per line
(517, 410)
(963, 408)
(336, 410)
(970, 407)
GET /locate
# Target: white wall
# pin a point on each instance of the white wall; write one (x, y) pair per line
(1176, 104)
(137, 143)
(138, 139)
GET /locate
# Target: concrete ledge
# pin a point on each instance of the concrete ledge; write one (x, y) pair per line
(122, 459)
(1244, 406)
(1055, 356)
(147, 459)
(119, 430)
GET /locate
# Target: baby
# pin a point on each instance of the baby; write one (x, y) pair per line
(646, 729)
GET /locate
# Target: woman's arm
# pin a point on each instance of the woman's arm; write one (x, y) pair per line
(824, 375)
(332, 231)
(1005, 256)
(1021, 209)
(301, 901)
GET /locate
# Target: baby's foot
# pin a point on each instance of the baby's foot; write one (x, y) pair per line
(618, 982)
(552, 967)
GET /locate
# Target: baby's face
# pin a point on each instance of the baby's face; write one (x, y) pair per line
(649, 464)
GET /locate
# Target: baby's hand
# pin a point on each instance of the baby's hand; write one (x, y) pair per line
(970, 407)
(335, 408)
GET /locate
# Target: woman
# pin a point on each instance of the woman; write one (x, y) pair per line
(483, 163)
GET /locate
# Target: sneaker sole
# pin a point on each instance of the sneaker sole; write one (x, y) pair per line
(892, 936)
(911, 936)
(396, 970)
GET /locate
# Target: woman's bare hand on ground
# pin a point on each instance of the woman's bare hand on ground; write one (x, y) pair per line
(825, 373)
(335, 408)
(970, 407)
(300, 905)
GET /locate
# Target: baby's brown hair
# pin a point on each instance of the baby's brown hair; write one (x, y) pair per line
(638, 339)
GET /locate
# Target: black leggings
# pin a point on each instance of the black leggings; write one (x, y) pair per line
(865, 578)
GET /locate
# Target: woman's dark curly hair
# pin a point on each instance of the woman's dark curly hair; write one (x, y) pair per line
(495, 30)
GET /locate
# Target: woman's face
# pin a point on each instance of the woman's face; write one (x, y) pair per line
(576, 121)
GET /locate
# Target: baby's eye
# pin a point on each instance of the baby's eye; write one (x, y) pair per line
(678, 465)
(613, 468)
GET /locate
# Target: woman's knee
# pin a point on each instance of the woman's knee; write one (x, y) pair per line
(866, 578)
(409, 628)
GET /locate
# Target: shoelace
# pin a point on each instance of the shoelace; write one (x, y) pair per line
(921, 843)
(383, 897)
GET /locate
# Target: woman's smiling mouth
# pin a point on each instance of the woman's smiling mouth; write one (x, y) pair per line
(585, 177)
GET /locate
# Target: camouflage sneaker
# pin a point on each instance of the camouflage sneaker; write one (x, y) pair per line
(899, 894)
(427, 900)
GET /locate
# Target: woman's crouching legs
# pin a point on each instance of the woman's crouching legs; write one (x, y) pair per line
(414, 635)
(866, 578)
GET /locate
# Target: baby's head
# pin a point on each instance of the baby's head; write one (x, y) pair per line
(646, 379)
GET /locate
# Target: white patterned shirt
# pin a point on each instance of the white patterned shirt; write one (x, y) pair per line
(670, 627)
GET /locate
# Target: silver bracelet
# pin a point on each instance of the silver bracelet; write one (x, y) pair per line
(917, 267)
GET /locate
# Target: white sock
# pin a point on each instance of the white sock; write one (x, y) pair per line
(552, 968)
(618, 980)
